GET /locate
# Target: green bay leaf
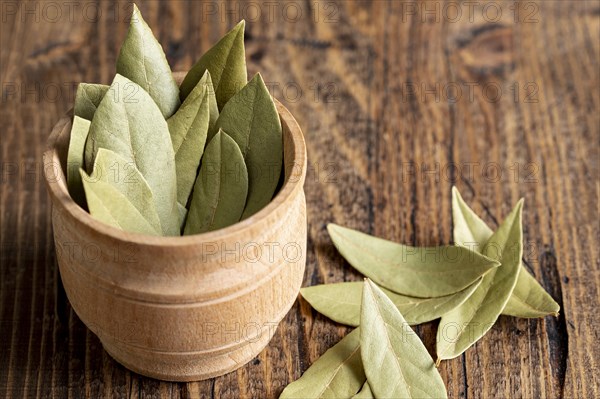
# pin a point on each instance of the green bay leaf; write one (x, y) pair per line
(221, 187)
(365, 392)
(418, 272)
(75, 161)
(395, 360)
(529, 299)
(87, 99)
(108, 205)
(143, 61)
(132, 126)
(251, 119)
(182, 215)
(226, 62)
(338, 373)
(341, 302)
(113, 169)
(466, 324)
(189, 130)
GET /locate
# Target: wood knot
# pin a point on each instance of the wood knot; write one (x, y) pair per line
(487, 50)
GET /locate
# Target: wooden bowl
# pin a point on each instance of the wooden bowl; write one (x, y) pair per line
(183, 308)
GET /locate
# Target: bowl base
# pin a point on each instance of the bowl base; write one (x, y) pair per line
(185, 366)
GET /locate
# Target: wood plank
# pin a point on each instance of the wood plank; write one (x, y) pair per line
(381, 161)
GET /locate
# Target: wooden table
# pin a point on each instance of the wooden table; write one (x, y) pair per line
(399, 101)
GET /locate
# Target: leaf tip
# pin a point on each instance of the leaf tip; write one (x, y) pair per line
(331, 228)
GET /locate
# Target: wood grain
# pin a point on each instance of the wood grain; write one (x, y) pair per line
(381, 160)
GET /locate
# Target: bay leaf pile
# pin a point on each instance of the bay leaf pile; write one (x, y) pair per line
(149, 156)
(467, 285)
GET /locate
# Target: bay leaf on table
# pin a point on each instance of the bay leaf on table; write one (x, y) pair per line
(79, 133)
(119, 198)
(221, 187)
(341, 302)
(251, 119)
(365, 392)
(134, 128)
(466, 324)
(418, 272)
(87, 99)
(226, 62)
(395, 360)
(338, 373)
(189, 130)
(529, 299)
(143, 61)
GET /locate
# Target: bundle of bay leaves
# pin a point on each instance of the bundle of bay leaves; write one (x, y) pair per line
(468, 285)
(150, 157)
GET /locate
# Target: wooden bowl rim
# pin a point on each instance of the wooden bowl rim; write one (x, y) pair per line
(62, 199)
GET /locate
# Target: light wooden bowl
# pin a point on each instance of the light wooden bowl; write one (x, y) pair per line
(183, 308)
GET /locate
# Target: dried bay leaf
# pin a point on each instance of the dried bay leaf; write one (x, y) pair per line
(529, 299)
(87, 99)
(75, 161)
(189, 130)
(466, 324)
(365, 392)
(341, 302)
(221, 187)
(338, 373)
(205, 86)
(143, 61)
(118, 195)
(417, 272)
(226, 62)
(182, 215)
(133, 127)
(121, 174)
(109, 206)
(251, 119)
(395, 360)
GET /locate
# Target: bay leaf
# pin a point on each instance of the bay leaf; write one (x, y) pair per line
(205, 86)
(111, 168)
(182, 215)
(251, 119)
(341, 302)
(466, 324)
(529, 299)
(133, 127)
(226, 62)
(418, 272)
(395, 360)
(221, 187)
(87, 99)
(107, 204)
(143, 61)
(75, 161)
(338, 373)
(365, 392)
(189, 130)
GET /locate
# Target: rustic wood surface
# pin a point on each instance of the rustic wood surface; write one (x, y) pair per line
(381, 160)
